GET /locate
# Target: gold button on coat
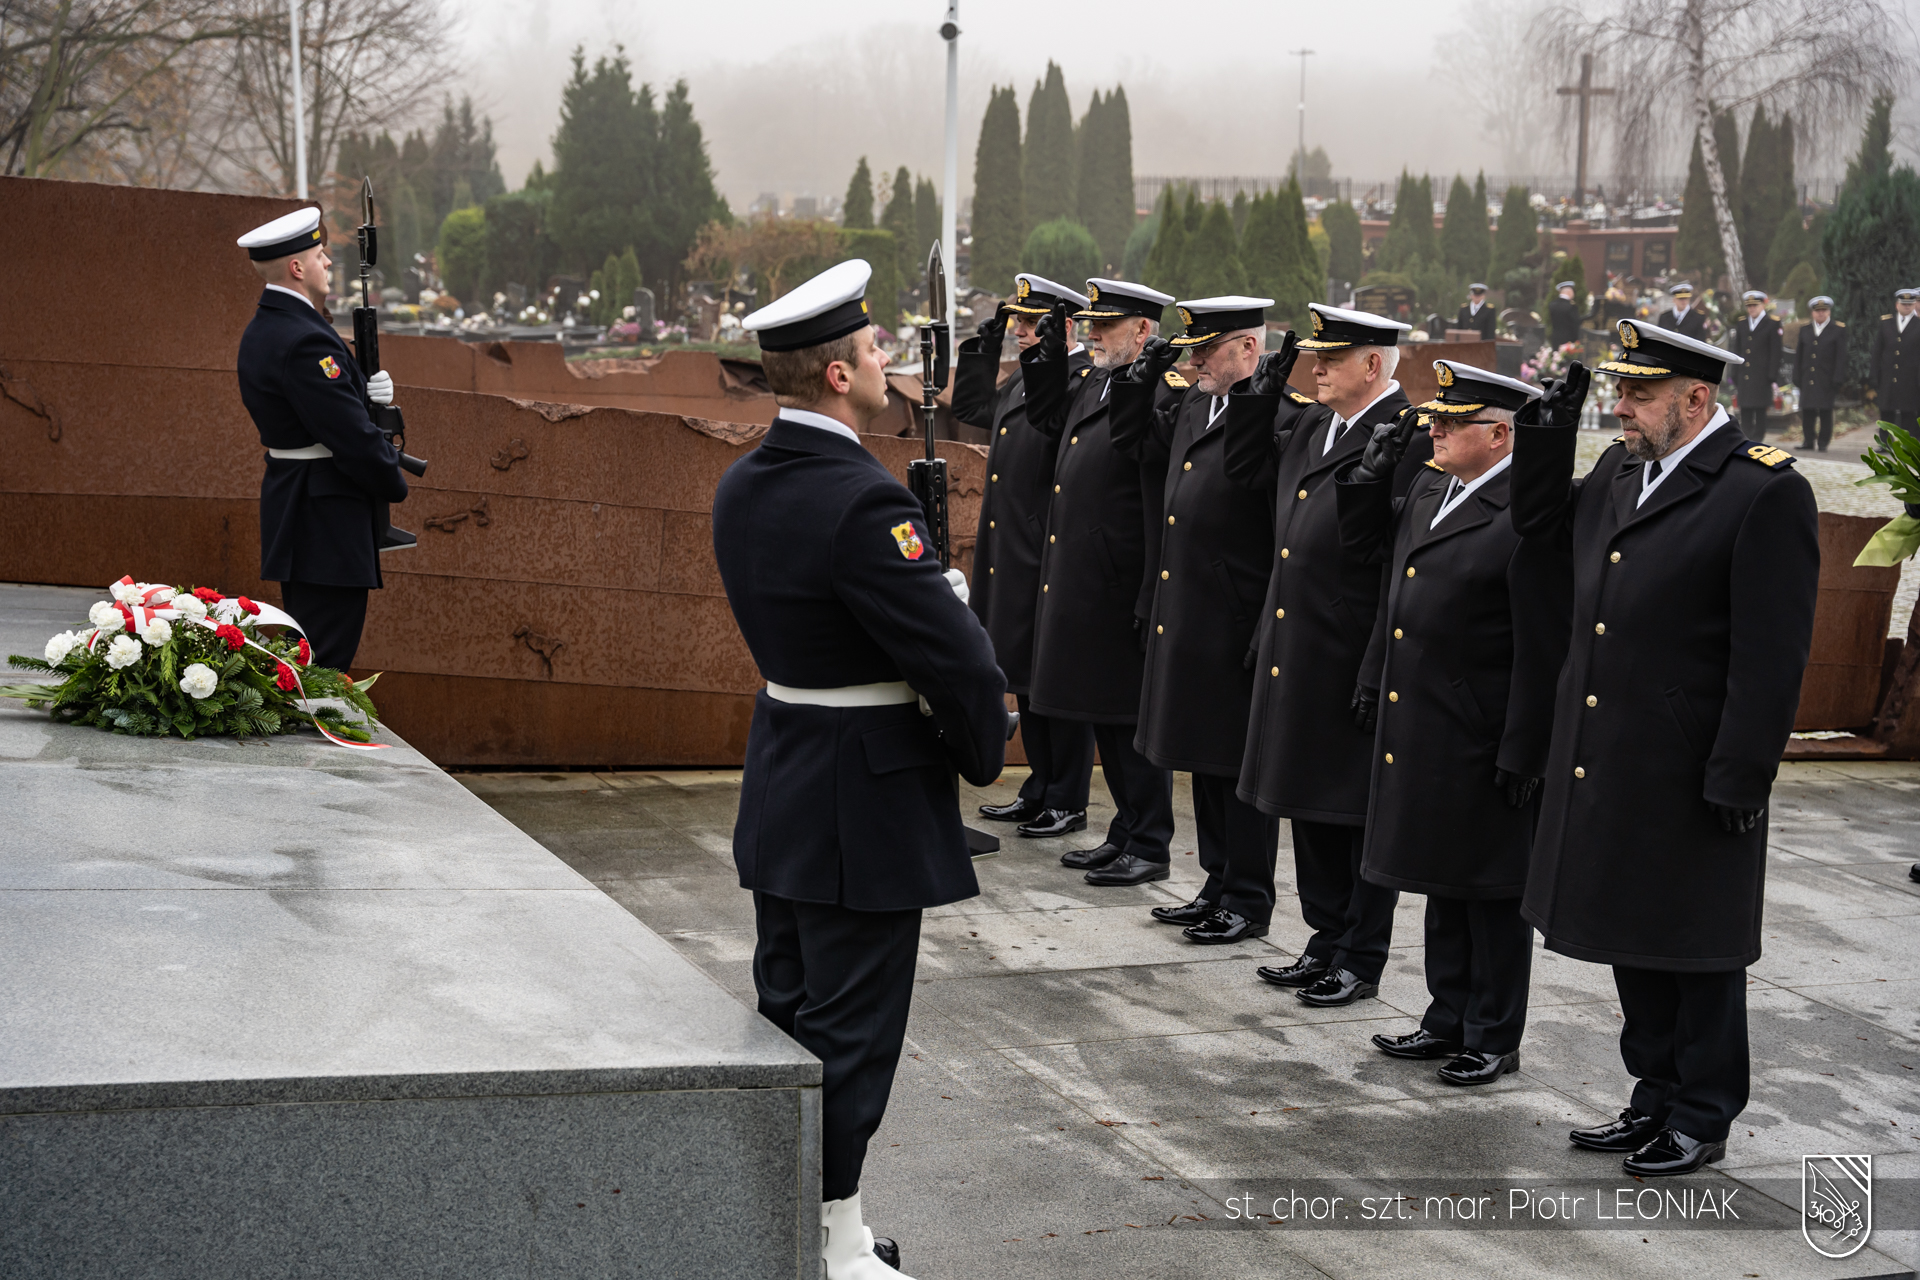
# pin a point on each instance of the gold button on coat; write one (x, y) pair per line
(1003, 431)
(1056, 488)
(1043, 588)
(1051, 538)
(1614, 558)
(1274, 672)
(1409, 571)
(1279, 613)
(1579, 772)
(1283, 553)
(1074, 440)
(1164, 575)
(1389, 757)
(1159, 631)
(1303, 493)
(1398, 634)
(1599, 628)
(992, 524)
(1393, 697)
(1169, 519)
(996, 477)
(1592, 701)
(1186, 466)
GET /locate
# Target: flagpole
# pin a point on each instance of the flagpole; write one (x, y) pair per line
(299, 104)
(950, 202)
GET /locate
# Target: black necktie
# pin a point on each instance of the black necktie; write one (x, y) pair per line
(1653, 470)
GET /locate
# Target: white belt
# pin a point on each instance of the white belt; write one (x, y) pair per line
(886, 694)
(303, 453)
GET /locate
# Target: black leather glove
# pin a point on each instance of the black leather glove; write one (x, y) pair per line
(1270, 375)
(1365, 707)
(1561, 402)
(1387, 447)
(993, 331)
(1154, 360)
(1736, 822)
(1051, 333)
(1519, 789)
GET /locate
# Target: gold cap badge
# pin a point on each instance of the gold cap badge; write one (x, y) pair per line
(1022, 288)
(1093, 292)
(1186, 317)
(1443, 375)
(1629, 336)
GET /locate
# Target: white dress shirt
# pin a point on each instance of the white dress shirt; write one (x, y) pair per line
(808, 418)
(1900, 321)
(1649, 481)
(1458, 493)
(1338, 426)
(1820, 327)
(292, 293)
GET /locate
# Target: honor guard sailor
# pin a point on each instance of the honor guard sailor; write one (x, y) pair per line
(1006, 553)
(1216, 543)
(1893, 370)
(1681, 317)
(330, 470)
(880, 684)
(1819, 364)
(1563, 315)
(1477, 312)
(1465, 651)
(1758, 342)
(1103, 533)
(1695, 563)
(1309, 744)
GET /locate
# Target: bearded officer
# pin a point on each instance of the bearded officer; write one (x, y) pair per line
(1006, 554)
(1677, 697)
(1465, 648)
(880, 684)
(1476, 312)
(1216, 543)
(1310, 738)
(1819, 363)
(1103, 531)
(1893, 369)
(1681, 317)
(1758, 342)
(330, 471)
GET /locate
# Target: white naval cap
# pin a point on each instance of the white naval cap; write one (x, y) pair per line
(1208, 319)
(1336, 328)
(1681, 290)
(285, 235)
(1476, 288)
(1465, 389)
(1820, 300)
(1112, 299)
(1036, 295)
(1908, 295)
(1648, 352)
(1754, 295)
(831, 305)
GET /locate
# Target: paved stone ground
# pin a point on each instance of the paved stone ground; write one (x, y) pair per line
(1086, 1095)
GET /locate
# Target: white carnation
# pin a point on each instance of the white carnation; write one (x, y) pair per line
(125, 592)
(100, 612)
(112, 621)
(199, 681)
(189, 608)
(123, 652)
(60, 646)
(157, 632)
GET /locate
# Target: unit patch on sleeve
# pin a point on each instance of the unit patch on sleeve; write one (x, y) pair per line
(909, 539)
(330, 367)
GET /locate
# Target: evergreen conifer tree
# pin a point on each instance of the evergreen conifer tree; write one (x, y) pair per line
(1165, 267)
(899, 219)
(1871, 239)
(604, 155)
(1263, 246)
(1048, 159)
(630, 279)
(1111, 217)
(1765, 178)
(926, 225)
(999, 207)
(856, 211)
(1463, 235)
(1518, 236)
(1696, 244)
(685, 198)
(1307, 282)
(1192, 212)
(1061, 250)
(1240, 206)
(1346, 253)
(1794, 244)
(1211, 260)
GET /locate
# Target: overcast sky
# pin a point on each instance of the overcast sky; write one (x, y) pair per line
(792, 94)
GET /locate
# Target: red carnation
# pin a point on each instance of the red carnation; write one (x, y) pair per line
(207, 595)
(284, 679)
(231, 634)
(249, 605)
(306, 654)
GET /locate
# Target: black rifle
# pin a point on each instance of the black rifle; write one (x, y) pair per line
(366, 351)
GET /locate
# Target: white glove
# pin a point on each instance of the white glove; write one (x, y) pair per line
(958, 581)
(380, 388)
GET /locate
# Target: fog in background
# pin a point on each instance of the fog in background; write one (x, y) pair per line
(791, 95)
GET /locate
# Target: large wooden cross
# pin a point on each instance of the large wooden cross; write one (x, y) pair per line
(1586, 92)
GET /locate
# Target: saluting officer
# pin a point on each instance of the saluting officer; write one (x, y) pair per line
(1103, 530)
(1758, 342)
(880, 684)
(1819, 364)
(1006, 554)
(1894, 368)
(1677, 697)
(1681, 317)
(1467, 646)
(1309, 745)
(330, 470)
(1216, 542)
(1477, 312)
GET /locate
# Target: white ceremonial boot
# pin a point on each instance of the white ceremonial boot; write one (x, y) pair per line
(847, 1246)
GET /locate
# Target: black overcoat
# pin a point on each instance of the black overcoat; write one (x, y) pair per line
(1563, 321)
(1691, 325)
(1691, 620)
(1820, 364)
(1761, 347)
(1304, 757)
(319, 517)
(1893, 366)
(1013, 511)
(834, 581)
(1215, 548)
(1465, 651)
(1484, 322)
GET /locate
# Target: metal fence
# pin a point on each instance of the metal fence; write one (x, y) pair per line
(1147, 189)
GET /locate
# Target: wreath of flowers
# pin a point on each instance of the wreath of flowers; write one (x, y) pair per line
(158, 660)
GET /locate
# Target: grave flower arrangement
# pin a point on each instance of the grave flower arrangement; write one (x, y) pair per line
(157, 660)
(1894, 463)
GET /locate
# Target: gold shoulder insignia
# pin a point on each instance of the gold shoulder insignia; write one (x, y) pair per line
(1436, 466)
(1619, 439)
(1300, 399)
(1084, 372)
(1768, 456)
(1887, 316)
(1841, 323)
(1175, 381)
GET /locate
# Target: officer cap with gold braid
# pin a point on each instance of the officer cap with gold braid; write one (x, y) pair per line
(1036, 295)
(1116, 299)
(1210, 319)
(1649, 353)
(1336, 328)
(1465, 390)
(831, 305)
(284, 236)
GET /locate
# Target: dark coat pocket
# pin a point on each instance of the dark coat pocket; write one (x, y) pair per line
(1689, 724)
(1107, 566)
(907, 745)
(1470, 707)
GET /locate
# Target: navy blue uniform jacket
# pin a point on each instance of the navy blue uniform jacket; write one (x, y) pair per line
(318, 518)
(834, 581)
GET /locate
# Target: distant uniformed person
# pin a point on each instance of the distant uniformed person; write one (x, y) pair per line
(330, 471)
(1758, 342)
(1819, 366)
(1893, 370)
(1096, 590)
(1681, 317)
(1465, 652)
(1477, 312)
(1695, 564)
(1216, 544)
(1006, 554)
(1309, 745)
(880, 684)
(1563, 315)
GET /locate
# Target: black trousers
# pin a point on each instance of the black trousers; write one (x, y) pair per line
(1142, 796)
(839, 981)
(1754, 422)
(1811, 418)
(1352, 921)
(1060, 753)
(1238, 845)
(330, 617)
(1685, 1042)
(1479, 963)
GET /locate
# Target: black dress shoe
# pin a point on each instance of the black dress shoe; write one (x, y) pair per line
(1475, 1067)
(1339, 986)
(1052, 822)
(1020, 810)
(1630, 1132)
(1129, 869)
(1192, 913)
(1416, 1044)
(1303, 972)
(887, 1251)
(1671, 1152)
(1222, 927)
(1090, 859)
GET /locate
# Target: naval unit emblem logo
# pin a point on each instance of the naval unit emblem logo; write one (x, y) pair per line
(909, 539)
(1836, 1203)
